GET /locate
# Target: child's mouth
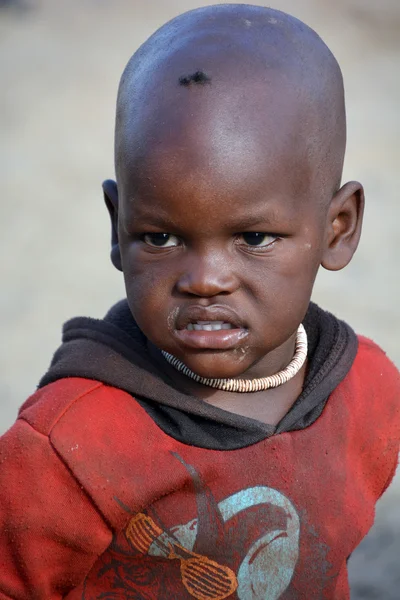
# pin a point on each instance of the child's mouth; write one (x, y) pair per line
(211, 335)
(208, 326)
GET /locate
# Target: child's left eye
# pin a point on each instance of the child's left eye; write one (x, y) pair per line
(257, 239)
(161, 240)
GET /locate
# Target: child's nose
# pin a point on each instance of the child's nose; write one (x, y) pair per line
(207, 276)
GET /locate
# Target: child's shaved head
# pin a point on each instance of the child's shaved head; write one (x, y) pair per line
(230, 138)
(257, 79)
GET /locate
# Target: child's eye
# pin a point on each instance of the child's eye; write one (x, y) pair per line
(161, 240)
(257, 239)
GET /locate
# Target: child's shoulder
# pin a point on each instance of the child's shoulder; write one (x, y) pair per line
(371, 392)
(97, 432)
(44, 409)
(375, 365)
(375, 381)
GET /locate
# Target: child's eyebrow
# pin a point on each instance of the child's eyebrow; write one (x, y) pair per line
(267, 217)
(147, 216)
(156, 221)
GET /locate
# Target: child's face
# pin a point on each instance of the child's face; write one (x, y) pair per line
(220, 223)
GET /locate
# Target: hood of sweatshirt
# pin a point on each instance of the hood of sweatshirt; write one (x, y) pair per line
(114, 351)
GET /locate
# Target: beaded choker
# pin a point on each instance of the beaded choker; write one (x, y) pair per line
(250, 385)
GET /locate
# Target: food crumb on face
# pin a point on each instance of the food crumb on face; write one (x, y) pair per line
(172, 318)
(241, 353)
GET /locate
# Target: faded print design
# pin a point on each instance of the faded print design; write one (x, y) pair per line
(246, 547)
(267, 561)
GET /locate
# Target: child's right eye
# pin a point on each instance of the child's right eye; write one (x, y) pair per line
(161, 240)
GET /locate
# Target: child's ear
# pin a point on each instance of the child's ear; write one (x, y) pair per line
(343, 226)
(110, 191)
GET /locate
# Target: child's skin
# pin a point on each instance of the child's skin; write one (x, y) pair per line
(257, 149)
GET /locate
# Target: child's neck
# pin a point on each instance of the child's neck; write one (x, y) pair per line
(268, 407)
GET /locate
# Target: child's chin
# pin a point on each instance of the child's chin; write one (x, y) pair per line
(219, 365)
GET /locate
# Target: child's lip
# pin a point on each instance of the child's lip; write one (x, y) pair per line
(223, 339)
(216, 312)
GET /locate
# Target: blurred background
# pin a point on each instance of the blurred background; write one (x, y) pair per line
(60, 63)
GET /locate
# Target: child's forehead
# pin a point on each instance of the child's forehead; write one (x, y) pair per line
(220, 131)
(219, 152)
(234, 134)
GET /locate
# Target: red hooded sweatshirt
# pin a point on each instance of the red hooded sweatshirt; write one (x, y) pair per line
(111, 493)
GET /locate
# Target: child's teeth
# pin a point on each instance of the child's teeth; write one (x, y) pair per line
(208, 326)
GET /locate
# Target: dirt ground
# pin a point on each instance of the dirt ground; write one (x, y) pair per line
(59, 65)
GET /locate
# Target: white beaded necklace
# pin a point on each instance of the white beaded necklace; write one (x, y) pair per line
(250, 385)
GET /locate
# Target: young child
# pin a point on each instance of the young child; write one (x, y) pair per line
(216, 435)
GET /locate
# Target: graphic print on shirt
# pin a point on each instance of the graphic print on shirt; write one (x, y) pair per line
(253, 536)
